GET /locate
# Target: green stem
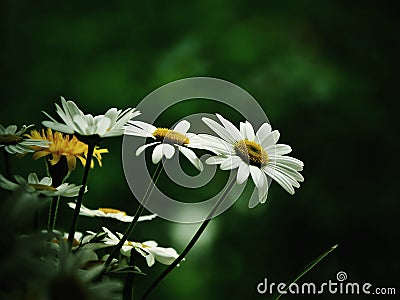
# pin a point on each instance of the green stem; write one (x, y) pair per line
(306, 269)
(51, 223)
(191, 243)
(80, 195)
(130, 278)
(132, 225)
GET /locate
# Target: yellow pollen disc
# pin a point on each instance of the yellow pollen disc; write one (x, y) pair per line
(10, 139)
(42, 187)
(168, 136)
(251, 152)
(111, 211)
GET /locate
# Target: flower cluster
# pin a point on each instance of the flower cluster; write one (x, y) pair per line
(88, 262)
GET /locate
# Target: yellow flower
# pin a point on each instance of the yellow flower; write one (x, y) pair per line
(63, 145)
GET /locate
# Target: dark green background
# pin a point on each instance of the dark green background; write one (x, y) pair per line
(325, 74)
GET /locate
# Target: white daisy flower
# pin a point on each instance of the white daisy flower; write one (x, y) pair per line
(112, 123)
(109, 213)
(149, 250)
(14, 143)
(255, 154)
(40, 187)
(166, 141)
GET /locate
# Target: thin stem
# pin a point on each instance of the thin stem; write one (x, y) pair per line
(191, 243)
(130, 278)
(80, 195)
(51, 223)
(132, 225)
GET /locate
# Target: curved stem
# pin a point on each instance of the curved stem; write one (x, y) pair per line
(132, 225)
(80, 195)
(191, 243)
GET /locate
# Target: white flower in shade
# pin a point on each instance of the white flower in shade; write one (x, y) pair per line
(14, 143)
(40, 187)
(109, 213)
(149, 250)
(166, 140)
(255, 154)
(74, 121)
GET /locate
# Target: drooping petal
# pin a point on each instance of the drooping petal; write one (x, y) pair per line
(142, 148)
(231, 162)
(157, 154)
(168, 150)
(256, 175)
(192, 157)
(281, 179)
(215, 160)
(243, 173)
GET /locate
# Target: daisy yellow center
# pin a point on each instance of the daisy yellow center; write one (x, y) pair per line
(168, 136)
(10, 139)
(111, 211)
(251, 152)
(42, 187)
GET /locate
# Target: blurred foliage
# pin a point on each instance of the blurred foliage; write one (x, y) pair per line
(324, 72)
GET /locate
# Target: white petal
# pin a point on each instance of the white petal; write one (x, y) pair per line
(211, 143)
(182, 127)
(263, 131)
(103, 125)
(215, 160)
(11, 129)
(288, 171)
(218, 129)
(145, 126)
(46, 181)
(279, 149)
(281, 179)
(58, 127)
(292, 162)
(147, 218)
(191, 156)
(256, 174)
(136, 131)
(111, 235)
(142, 148)
(263, 190)
(247, 131)
(33, 179)
(157, 154)
(232, 162)
(270, 139)
(243, 173)
(150, 260)
(232, 130)
(168, 150)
